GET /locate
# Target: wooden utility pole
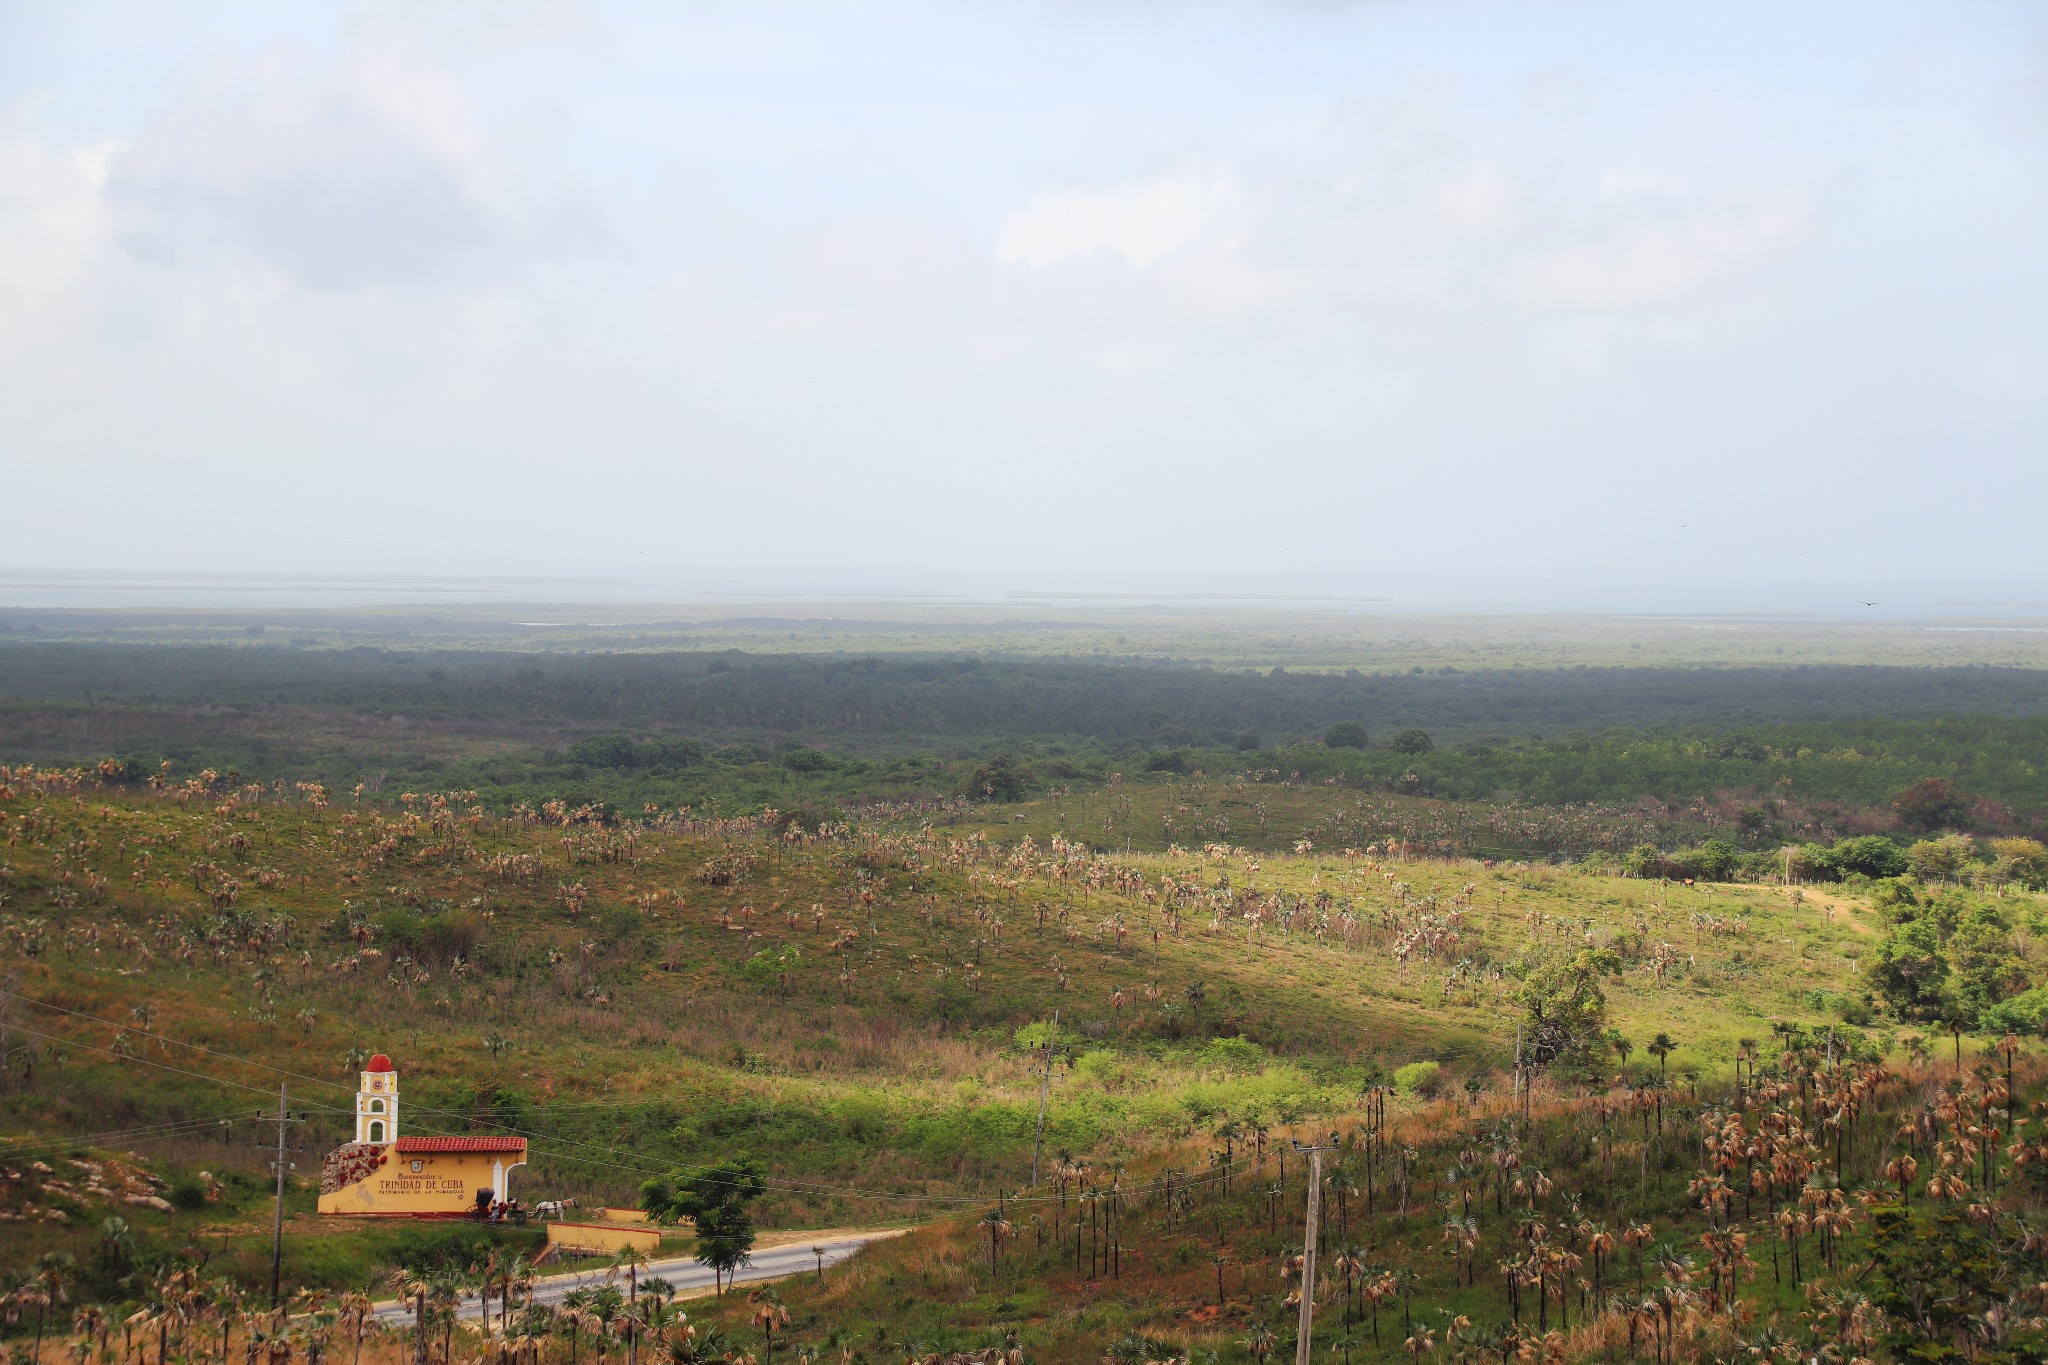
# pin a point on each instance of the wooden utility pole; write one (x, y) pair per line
(1044, 1085)
(280, 1165)
(1306, 1329)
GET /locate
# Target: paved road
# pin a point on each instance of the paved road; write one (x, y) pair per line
(772, 1263)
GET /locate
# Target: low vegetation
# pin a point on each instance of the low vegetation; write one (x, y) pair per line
(1675, 1014)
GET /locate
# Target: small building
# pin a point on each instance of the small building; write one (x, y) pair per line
(384, 1174)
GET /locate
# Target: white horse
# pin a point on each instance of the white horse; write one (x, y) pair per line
(553, 1208)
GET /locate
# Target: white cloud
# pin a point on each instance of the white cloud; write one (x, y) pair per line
(1143, 221)
(282, 272)
(337, 177)
(1480, 201)
(53, 222)
(1680, 251)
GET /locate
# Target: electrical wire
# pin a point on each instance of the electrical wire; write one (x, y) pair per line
(39, 1145)
(802, 1186)
(799, 1187)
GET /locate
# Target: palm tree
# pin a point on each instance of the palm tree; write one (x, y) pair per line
(445, 1288)
(607, 1305)
(998, 1228)
(90, 1322)
(768, 1315)
(415, 1287)
(485, 1278)
(357, 1315)
(51, 1280)
(1661, 1047)
(1231, 1132)
(684, 1344)
(661, 1291)
(1344, 1187)
(1255, 1130)
(574, 1305)
(1350, 1263)
(632, 1258)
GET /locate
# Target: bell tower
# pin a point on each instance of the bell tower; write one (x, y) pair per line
(377, 1103)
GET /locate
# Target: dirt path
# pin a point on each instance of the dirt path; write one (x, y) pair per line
(1859, 918)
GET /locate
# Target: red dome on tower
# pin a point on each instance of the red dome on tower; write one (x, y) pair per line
(379, 1063)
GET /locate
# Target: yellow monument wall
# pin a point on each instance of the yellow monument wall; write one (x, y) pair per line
(445, 1183)
(602, 1238)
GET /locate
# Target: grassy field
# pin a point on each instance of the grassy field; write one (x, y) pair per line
(1245, 634)
(658, 910)
(844, 1007)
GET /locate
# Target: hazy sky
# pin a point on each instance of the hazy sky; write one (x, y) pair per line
(1524, 304)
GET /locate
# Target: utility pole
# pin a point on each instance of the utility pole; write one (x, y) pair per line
(1044, 1085)
(280, 1165)
(1308, 1247)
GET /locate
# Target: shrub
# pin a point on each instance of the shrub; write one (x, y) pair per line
(1412, 742)
(1644, 860)
(802, 758)
(1872, 856)
(1943, 859)
(1234, 1054)
(2025, 1014)
(1712, 861)
(1419, 1078)
(2022, 860)
(1932, 804)
(187, 1193)
(1895, 900)
(1345, 734)
(442, 1247)
(1002, 778)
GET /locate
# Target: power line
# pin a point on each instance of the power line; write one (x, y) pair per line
(799, 1187)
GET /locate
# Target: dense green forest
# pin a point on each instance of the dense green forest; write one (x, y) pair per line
(740, 731)
(859, 696)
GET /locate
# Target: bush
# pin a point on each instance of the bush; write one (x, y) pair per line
(2025, 1014)
(1412, 742)
(1345, 734)
(1419, 1078)
(2021, 860)
(1872, 856)
(187, 1193)
(1002, 778)
(442, 1247)
(1895, 900)
(1644, 860)
(1943, 859)
(1932, 804)
(450, 934)
(1234, 1054)
(1712, 861)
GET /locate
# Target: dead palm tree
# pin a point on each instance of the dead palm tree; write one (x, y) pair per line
(768, 1315)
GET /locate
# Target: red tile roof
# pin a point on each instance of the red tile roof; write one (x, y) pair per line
(461, 1144)
(379, 1063)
